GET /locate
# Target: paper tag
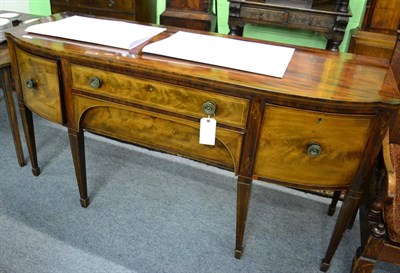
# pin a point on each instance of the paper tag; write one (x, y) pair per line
(208, 127)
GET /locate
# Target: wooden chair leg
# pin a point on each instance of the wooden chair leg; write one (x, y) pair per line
(349, 207)
(361, 264)
(335, 199)
(353, 219)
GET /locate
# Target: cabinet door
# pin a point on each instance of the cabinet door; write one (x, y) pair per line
(311, 149)
(382, 16)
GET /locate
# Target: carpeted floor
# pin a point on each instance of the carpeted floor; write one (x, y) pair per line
(151, 212)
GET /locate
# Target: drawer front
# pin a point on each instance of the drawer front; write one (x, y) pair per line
(97, 12)
(274, 16)
(40, 85)
(312, 20)
(311, 148)
(177, 99)
(121, 5)
(157, 131)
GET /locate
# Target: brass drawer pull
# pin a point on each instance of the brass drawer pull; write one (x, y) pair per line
(95, 82)
(314, 149)
(111, 3)
(209, 108)
(150, 88)
(31, 84)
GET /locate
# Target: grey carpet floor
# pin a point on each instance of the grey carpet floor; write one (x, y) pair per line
(151, 212)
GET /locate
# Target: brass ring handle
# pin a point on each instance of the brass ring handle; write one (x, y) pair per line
(111, 3)
(209, 108)
(95, 82)
(31, 83)
(314, 149)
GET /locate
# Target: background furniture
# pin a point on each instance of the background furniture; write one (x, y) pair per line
(378, 34)
(7, 86)
(135, 10)
(6, 83)
(270, 129)
(380, 214)
(327, 17)
(195, 14)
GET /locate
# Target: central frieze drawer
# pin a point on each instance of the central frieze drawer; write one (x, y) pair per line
(169, 97)
(306, 19)
(311, 148)
(274, 16)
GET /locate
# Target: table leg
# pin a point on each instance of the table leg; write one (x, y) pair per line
(77, 143)
(349, 208)
(243, 198)
(6, 80)
(236, 30)
(336, 36)
(27, 124)
(235, 24)
(335, 199)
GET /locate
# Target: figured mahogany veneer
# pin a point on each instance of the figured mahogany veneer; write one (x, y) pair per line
(319, 127)
(288, 131)
(41, 75)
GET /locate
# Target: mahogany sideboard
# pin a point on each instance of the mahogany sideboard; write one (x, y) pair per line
(319, 127)
(327, 17)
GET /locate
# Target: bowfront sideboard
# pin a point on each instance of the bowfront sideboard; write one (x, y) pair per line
(319, 127)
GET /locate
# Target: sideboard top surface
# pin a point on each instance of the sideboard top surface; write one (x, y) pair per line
(312, 74)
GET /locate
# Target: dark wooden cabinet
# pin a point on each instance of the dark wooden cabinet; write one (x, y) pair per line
(378, 34)
(194, 14)
(137, 10)
(382, 16)
(327, 17)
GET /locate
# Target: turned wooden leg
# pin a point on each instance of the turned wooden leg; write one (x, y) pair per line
(243, 197)
(349, 208)
(77, 143)
(27, 124)
(361, 264)
(5, 78)
(337, 35)
(335, 199)
(236, 30)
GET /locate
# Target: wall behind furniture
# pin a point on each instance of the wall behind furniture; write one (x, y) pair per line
(13, 5)
(269, 33)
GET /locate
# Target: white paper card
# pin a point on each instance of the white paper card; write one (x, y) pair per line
(98, 31)
(241, 55)
(208, 129)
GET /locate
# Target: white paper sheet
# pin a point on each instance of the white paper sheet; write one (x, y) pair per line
(98, 31)
(241, 55)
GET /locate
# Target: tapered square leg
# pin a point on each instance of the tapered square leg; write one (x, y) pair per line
(243, 198)
(77, 143)
(27, 124)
